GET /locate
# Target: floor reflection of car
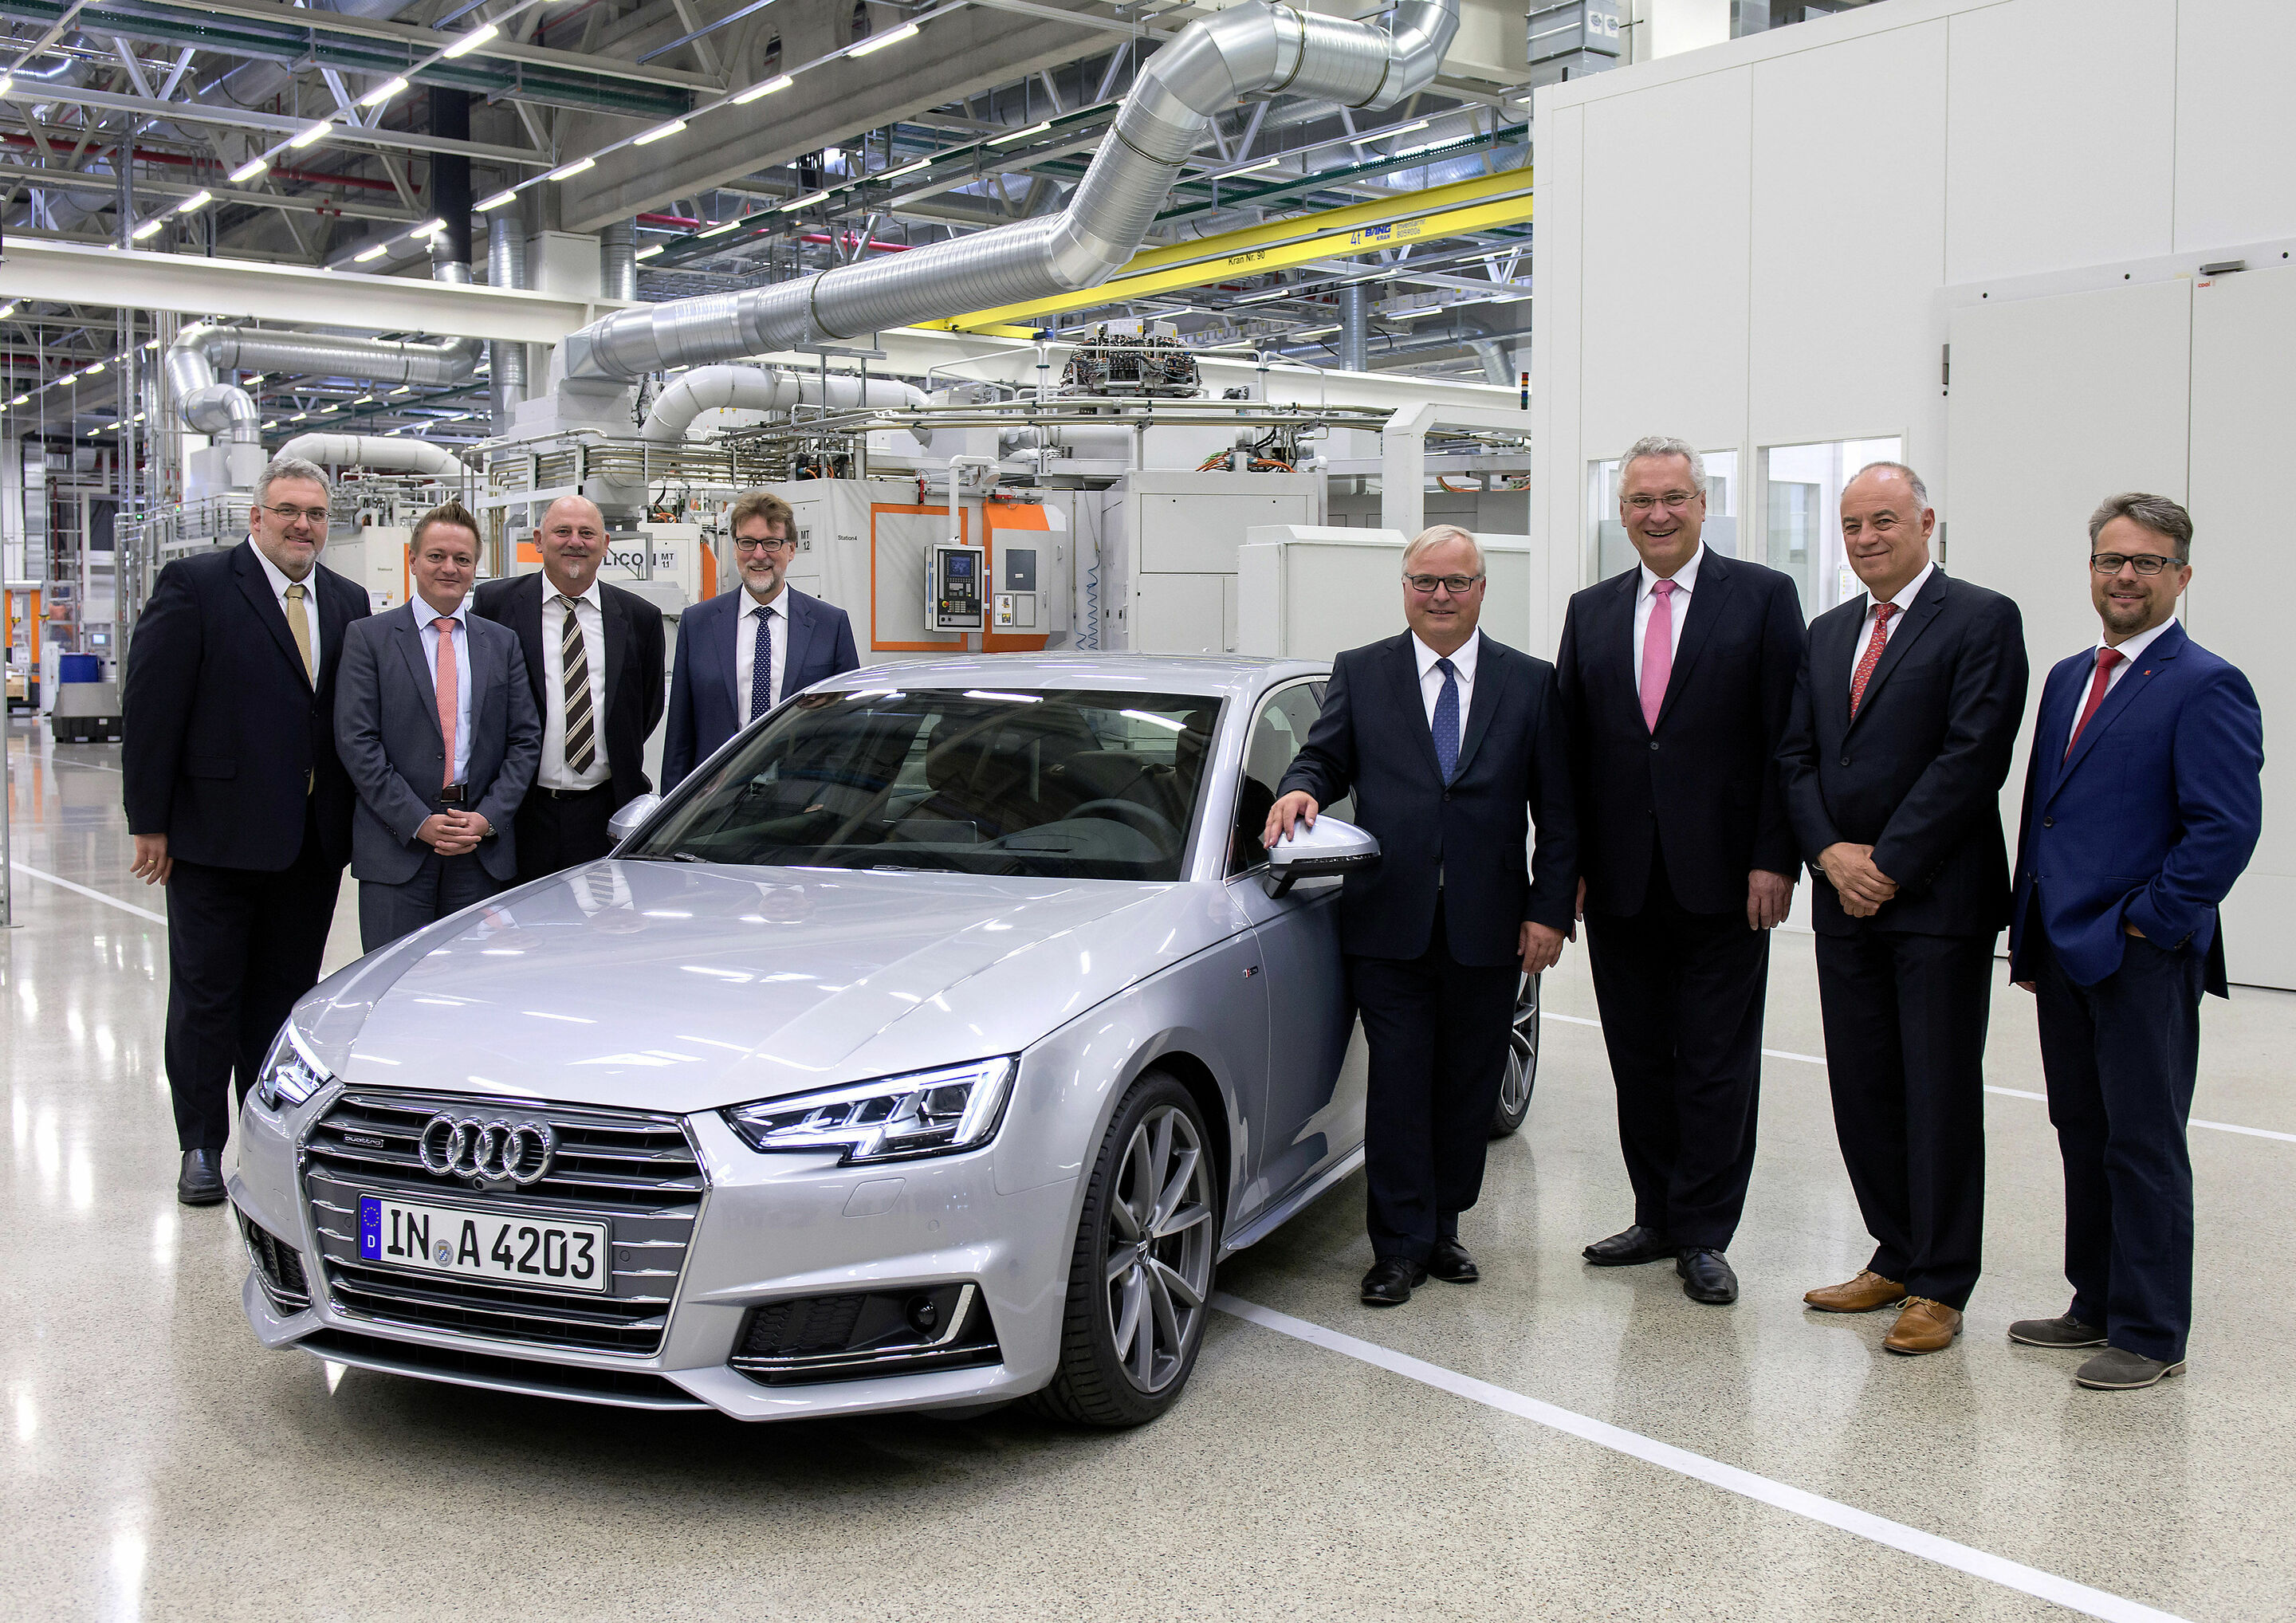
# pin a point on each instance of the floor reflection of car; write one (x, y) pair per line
(926, 1050)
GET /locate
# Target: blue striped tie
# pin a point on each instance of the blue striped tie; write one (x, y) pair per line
(1446, 721)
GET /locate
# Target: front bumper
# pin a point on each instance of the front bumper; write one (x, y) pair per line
(771, 1227)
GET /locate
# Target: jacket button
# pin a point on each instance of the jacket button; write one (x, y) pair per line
(2048, 822)
(1845, 760)
(1447, 794)
(1653, 746)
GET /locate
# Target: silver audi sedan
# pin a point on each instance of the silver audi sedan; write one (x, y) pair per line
(926, 1050)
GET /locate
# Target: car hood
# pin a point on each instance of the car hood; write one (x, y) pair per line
(676, 986)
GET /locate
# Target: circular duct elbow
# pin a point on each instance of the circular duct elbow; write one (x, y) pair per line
(222, 409)
(380, 453)
(760, 388)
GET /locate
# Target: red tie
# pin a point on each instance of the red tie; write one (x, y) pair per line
(1881, 613)
(2106, 659)
(446, 688)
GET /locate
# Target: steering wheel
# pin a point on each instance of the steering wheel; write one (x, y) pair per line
(1151, 823)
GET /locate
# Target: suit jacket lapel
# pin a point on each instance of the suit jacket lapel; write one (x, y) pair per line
(799, 610)
(1615, 654)
(1493, 670)
(1706, 607)
(2117, 698)
(729, 642)
(257, 586)
(525, 621)
(409, 638)
(618, 645)
(1911, 624)
(1830, 667)
(1403, 672)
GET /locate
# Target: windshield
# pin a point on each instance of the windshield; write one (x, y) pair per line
(1077, 784)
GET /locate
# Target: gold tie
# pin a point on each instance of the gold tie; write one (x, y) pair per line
(300, 623)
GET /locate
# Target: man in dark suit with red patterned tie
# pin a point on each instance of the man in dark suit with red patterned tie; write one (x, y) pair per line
(2143, 804)
(1903, 720)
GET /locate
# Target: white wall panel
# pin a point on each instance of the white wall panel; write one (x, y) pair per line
(1849, 242)
(1666, 233)
(1559, 199)
(2057, 403)
(2235, 122)
(2062, 135)
(2243, 421)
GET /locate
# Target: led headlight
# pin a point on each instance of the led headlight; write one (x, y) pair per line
(927, 1112)
(290, 1074)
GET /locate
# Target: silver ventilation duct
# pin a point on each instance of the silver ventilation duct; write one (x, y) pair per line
(204, 349)
(618, 261)
(384, 453)
(506, 361)
(1249, 50)
(760, 388)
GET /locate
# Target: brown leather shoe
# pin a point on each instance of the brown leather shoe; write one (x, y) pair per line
(1923, 1327)
(1862, 1294)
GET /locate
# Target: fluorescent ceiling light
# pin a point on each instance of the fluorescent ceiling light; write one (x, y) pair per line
(196, 202)
(299, 417)
(470, 41)
(148, 228)
(1315, 332)
(428, 228)
(367, 255)
(255, 377)
(92, 371)
(311, 135)
(719, 231)
(138, 417)
(802, 202)
(7, 83)
(1403, 129)
(648, 252)
(249, 170)
(21, 401)
(8, 309)
(779, 82)
(878, 42)
(404, 388)
(659, 132)
(498, 200)
(1249, 168)
(1018, 135)
(907, 168)
(567, 171)
(382, 92)
(273, 424)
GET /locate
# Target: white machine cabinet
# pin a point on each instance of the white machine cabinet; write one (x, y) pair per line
(1307, 592)
(1171, 541)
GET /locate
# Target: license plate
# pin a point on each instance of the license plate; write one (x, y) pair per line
(506, 1247)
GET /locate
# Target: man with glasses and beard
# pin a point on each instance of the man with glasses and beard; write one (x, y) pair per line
(235, 798)
(1453, 746)
(743, 651)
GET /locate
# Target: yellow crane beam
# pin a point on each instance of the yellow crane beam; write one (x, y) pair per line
(1463, 207)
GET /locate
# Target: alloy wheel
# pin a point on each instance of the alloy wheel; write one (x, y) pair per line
(1158, 1267)
(1521, 1073)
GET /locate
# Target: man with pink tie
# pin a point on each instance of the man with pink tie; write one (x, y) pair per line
(1676, 679)
(436, 723)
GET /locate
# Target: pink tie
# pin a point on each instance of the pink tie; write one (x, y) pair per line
(1658, 652)
(445, 685)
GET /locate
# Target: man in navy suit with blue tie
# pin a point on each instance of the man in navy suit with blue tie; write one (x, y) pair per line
(743, 651)
(2143, 803)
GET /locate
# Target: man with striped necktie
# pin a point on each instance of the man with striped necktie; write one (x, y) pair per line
(595, 661)
(435, 723)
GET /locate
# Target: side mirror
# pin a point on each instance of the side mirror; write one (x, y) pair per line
(1330, 846)
(626, 822)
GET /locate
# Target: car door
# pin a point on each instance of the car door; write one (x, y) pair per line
(1315, 1062)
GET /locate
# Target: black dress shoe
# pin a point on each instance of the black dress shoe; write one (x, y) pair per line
(1628, 1247)
(1706, 1275)
(1450, 1263)
(1389, 1284)
(200, 1182)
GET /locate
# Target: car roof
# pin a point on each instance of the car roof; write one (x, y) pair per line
(1226, 676)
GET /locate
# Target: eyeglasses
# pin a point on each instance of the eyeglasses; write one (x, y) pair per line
(2143, 563)
(744, 543)
(1673, 501)
(1457, 585)
(288, 515)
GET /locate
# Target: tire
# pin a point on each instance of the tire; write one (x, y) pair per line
(1130, 1336)
(1521, 1073)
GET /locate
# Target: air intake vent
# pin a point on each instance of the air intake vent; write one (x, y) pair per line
(278, 1265)
(866, 1335)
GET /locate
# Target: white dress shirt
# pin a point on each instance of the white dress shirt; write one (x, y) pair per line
(279, 585)
(1685, 582)
(424, 614)
(2130, 651)
(590, 615)
(1904, 600)
(745, 647)
(1431, 680)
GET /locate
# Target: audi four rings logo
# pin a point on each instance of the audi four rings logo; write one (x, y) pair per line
(492, 1152)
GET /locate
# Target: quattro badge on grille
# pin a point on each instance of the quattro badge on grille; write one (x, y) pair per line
(496, 1154)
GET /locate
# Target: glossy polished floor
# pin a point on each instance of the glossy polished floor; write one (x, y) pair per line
(1557, 1442)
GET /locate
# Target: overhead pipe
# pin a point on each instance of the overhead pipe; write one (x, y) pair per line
(506, 361)
(760, 388)
(204, 349)
(1249, 50)
(618, 261)
(384, 453)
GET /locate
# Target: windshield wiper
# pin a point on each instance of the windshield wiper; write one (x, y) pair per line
(663, 857)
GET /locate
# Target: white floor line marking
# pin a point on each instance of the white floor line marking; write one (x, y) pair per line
(2008, 1093)
(98, 896)
(1795, 1501)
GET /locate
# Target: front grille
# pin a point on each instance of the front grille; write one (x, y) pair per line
(278, 1265)
(865, 1335)
(637, 1173)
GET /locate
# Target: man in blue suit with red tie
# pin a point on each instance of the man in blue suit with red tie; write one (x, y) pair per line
(2143, 804)
(743, 651)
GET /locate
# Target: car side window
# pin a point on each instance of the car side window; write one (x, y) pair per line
(1277, 733)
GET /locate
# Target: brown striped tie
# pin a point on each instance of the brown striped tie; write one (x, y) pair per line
(574, 665)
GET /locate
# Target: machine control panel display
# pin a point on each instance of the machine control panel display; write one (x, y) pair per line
(954, 594)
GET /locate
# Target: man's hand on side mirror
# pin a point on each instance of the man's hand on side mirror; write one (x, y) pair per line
(1298, 806)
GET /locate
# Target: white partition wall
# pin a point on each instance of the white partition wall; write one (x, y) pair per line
(1977, 227)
